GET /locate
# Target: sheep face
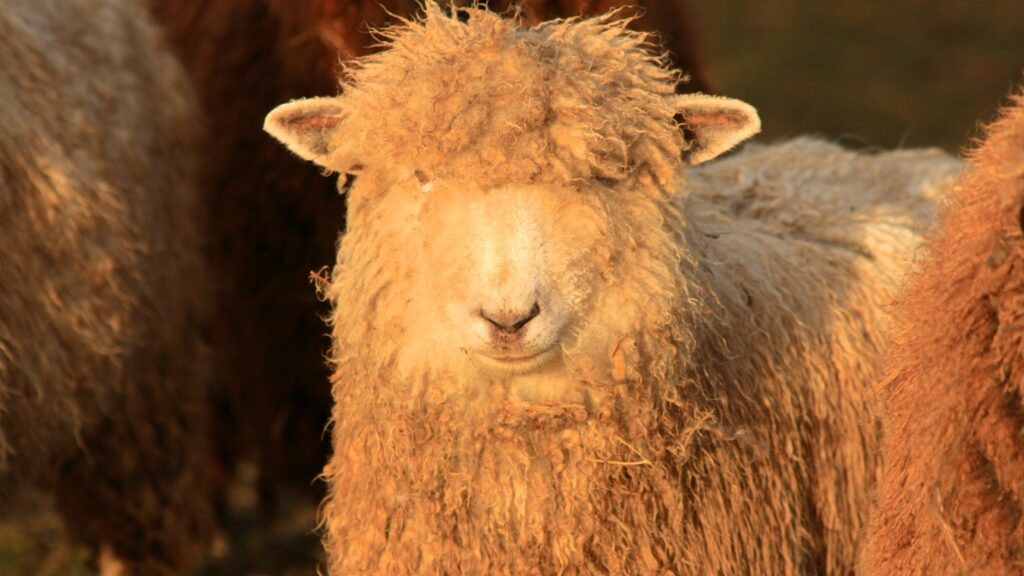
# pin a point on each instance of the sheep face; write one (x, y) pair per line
(511, 270)
(529, 288)
(500, 281)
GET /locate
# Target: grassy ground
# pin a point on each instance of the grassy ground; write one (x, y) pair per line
(35, 543)
(866, 72)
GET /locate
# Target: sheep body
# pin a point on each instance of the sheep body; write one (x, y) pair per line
(800, 264)
(952, 487)
(707, 410)
(101, 366)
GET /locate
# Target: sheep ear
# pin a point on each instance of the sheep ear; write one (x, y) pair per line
(715, 124)
(307, 127)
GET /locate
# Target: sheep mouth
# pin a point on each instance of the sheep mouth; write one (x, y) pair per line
(519, 363)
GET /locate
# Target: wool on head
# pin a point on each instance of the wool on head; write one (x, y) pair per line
(496, 116)
(274, 220)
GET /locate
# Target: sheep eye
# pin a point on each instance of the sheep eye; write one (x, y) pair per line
(346, 185)
(425, 183)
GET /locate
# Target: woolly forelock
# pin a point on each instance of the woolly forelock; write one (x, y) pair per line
(495, 117)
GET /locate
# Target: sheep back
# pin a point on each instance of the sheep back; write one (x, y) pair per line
(803, 244)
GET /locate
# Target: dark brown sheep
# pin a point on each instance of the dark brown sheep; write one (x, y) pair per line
(951, 500)
(275, 219)
(102, 366)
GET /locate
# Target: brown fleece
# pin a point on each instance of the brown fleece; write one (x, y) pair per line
(102, 368)
(951, 498)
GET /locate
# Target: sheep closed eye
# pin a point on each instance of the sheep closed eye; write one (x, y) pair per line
(426, 184)
(346, 185)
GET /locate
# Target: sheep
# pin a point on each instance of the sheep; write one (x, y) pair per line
(952, 487)
(102, 366)
(276, 220)
(557, 351)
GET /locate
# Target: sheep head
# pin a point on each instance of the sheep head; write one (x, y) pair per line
(510, 215)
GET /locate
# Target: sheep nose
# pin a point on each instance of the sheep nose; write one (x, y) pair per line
(510, 321)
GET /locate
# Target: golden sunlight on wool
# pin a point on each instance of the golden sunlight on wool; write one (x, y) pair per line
(558, 349)
(273, 219)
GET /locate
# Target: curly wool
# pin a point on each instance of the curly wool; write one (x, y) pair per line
(102, 375)
(455, 114)
(275, 220)
(951, 493)
(723, 422)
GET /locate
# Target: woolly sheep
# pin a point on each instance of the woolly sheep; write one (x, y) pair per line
(952, 489)
(101, 368)
(555, 352)
(276, 219)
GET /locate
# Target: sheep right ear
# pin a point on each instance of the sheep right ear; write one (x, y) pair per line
(307, 127)
(716, 124)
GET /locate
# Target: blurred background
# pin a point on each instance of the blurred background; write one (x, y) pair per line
(895, 73)
(866, 72)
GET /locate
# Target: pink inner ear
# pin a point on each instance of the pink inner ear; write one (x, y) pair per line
(311, 121)
(710, 120)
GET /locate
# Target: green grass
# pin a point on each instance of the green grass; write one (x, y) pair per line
(33, 543)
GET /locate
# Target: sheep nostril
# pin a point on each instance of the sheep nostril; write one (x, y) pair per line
(534, 312)
(510, 321)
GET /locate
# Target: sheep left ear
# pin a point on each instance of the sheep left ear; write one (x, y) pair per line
(307, 127)
(716, 124)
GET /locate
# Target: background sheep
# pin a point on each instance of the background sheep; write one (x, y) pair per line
(551, 355)
(275, 219)
(952, 490)
(101, 367)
